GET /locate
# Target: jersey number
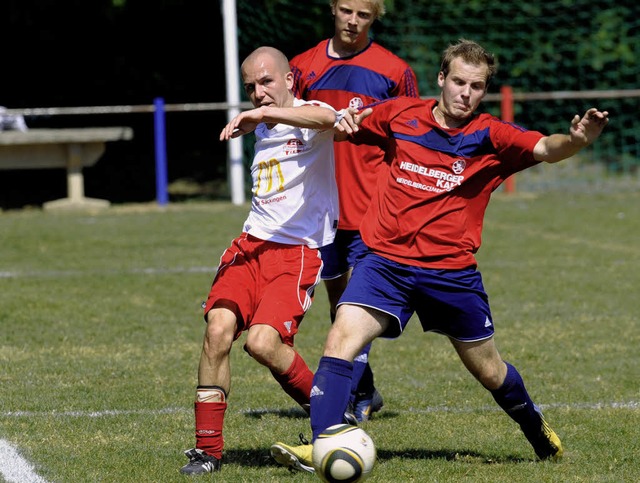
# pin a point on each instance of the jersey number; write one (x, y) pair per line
(266, 171)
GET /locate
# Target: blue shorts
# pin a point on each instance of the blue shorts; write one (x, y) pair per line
(451, 302)
(342, 254)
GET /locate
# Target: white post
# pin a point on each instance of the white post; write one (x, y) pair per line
(232, 67)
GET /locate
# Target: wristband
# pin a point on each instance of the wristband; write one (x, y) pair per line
(339, 116)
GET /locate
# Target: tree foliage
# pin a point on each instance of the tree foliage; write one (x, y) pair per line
(120, 52)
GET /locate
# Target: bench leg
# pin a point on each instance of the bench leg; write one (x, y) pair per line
(75, 178)
(75, 185)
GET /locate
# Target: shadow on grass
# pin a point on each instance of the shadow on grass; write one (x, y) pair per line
(460, 455)
(292, 413)
(262, 457)
(298, 413)
(255, 458)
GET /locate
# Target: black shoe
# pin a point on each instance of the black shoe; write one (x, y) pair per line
(200, 463)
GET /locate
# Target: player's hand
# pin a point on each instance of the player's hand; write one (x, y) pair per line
(587, 128)
(243, 123)
(350, 122)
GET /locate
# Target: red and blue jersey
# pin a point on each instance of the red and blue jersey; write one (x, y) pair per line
(428, 211)
(371, 75)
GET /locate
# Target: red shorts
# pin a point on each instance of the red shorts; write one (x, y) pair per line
(264, 282)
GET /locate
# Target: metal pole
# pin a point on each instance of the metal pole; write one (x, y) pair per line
(161, 152)
(232, 67)
(506, 109)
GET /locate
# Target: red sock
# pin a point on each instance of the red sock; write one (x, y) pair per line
(297, 381)
(209, 422)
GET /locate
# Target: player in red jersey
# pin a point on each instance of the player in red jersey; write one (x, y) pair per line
(423, 227)
(350, 69)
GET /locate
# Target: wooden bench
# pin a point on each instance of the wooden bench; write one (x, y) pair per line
(72, 149)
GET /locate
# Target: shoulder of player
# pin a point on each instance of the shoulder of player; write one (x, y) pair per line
(498, 127)
(311, 102)
(396, 105)
(495, 122)
(319, 48)
(381, 51)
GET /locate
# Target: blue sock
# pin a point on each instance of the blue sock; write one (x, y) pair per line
(362, 379)
(513, 397)
(330, 393)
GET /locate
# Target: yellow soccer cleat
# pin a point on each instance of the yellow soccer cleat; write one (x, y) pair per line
(294, 457)
(545, 441)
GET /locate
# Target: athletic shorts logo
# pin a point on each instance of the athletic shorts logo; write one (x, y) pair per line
(363, 358)
(287, 325)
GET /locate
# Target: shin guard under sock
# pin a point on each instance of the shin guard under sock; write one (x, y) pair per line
(514, 399)
(296, 381)
(362, 379)
(209, 422)
(330, 393)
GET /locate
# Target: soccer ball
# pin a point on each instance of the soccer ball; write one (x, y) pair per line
(343, 453)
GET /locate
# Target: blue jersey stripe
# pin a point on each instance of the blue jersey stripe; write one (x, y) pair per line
(358, 80)
(477, 143)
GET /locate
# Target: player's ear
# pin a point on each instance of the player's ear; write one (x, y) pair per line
(441, 79)
(289, 80)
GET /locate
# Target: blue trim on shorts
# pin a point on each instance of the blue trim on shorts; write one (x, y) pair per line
(451, 302)
(341, 255)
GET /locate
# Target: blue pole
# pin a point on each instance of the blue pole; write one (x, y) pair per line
(162, 196)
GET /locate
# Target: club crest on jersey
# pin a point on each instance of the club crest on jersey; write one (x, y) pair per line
(459, 165)
(293, 146)
(356, 103)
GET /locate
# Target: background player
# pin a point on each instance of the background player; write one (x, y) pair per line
(349, 69)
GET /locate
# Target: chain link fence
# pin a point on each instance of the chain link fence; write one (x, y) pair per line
(541, 46)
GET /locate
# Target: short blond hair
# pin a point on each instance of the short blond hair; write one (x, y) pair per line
(472, 53)
(377, 7)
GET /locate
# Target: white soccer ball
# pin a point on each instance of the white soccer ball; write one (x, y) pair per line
(343, 453)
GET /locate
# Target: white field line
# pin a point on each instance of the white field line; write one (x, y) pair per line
(14, 468)
(633, 405)
(76, 273)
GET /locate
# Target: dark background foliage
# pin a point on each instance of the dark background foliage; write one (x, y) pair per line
(127, 52)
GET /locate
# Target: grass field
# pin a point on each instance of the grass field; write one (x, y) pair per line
(101, 326)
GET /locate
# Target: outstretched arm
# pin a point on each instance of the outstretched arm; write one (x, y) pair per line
(350, 122)
(307, 116)
(582, 133)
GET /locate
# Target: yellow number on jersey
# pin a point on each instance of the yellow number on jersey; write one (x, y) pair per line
(265, 173)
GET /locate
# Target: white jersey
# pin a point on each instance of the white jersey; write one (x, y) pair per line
(295, 197)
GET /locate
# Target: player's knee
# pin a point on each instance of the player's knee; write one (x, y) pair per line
(219, 335)
(343, 344)
(491, 376)
(262, 344)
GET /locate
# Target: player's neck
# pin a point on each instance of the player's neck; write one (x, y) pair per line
(446, 121)
(340, 49)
